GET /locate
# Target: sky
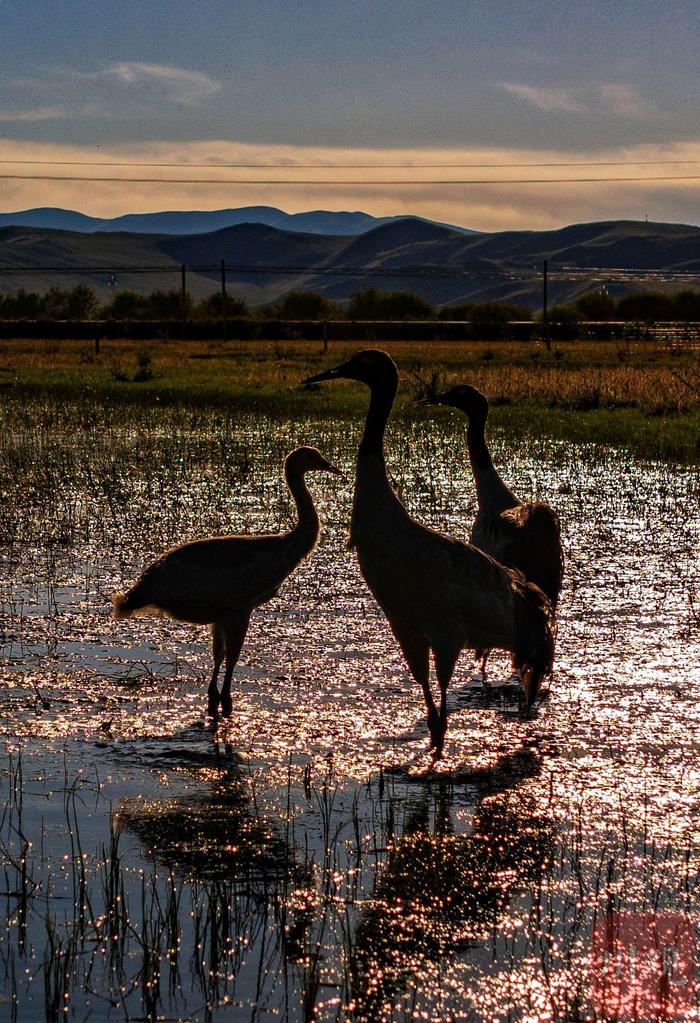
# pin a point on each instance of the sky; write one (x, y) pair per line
(393, 84)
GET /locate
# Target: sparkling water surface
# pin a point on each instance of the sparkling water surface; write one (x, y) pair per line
(297, 862)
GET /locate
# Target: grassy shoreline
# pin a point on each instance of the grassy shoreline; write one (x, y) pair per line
(643, 398)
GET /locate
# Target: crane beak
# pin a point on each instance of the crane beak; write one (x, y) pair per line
(329, 467)
(329, 374)
(531, 686)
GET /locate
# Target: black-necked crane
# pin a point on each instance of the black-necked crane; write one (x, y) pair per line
(519, 535)
(220, 581)
(438, 594)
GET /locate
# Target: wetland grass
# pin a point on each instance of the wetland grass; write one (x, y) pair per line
(642, 397)
(441, 907)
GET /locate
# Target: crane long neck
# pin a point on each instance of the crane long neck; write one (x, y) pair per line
(491, 491)
(479, 453)
(376, 507)
(381, 401)
(308, 524)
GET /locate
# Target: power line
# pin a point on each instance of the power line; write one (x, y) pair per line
(342, 184)
(349, 166)
(474, 270)
(309, 271)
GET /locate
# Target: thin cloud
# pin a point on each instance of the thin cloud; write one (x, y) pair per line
(613, 98)
(544, 99)
(623, 100)
(32, 115)
(182, 85)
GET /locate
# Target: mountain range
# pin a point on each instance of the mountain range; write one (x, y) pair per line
(201, 221)
(442, 263)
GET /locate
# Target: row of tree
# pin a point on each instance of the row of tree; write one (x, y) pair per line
(642, 307)
(81, 303)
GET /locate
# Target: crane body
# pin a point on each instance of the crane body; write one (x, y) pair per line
(220, 581)
(439, 595)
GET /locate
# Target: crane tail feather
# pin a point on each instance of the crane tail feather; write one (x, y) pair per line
(122, 606)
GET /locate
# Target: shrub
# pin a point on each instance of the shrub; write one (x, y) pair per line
(647, 306)
(211, 307)
(686, 305)
(596, 305)
(126, 305)
(486, 312)
(300, 304)
(167, 305)
(373, 304)
(22, 305)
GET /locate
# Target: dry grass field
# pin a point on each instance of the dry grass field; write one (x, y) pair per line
(640, 396)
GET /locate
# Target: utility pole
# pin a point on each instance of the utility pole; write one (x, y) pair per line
(545, 268)
(545, 313)
(223, 300)
(183, 298)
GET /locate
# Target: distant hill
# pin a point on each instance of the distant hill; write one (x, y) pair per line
(199, 222)
(263, 261)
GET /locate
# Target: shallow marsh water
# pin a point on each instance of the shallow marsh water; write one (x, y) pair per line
(296, 864)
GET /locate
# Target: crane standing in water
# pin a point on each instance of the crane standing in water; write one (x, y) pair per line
(519, 535)
(438, 594)
(221, 580)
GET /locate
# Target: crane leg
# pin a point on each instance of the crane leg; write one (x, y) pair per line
(445, 661)
(483, 656)
(235, 629)
(217, 650)
(417, 653)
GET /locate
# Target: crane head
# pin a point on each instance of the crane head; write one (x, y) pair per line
(536, 666)
(536, 630)
(370, 366)
(463, 397)
(308, 459)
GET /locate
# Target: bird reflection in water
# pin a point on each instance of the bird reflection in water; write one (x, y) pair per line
(268, 907)
(213, 835)
(238, 867)
(440, 891)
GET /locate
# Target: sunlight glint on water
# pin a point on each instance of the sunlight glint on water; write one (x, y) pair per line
(291, 860)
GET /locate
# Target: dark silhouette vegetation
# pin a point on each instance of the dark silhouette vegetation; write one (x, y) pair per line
(81, 303)
(373, 304)
(488, 319)
(642, 307)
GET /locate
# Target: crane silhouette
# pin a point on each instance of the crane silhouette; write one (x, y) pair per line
(519, 535)
(221, 580)
(438, 594)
